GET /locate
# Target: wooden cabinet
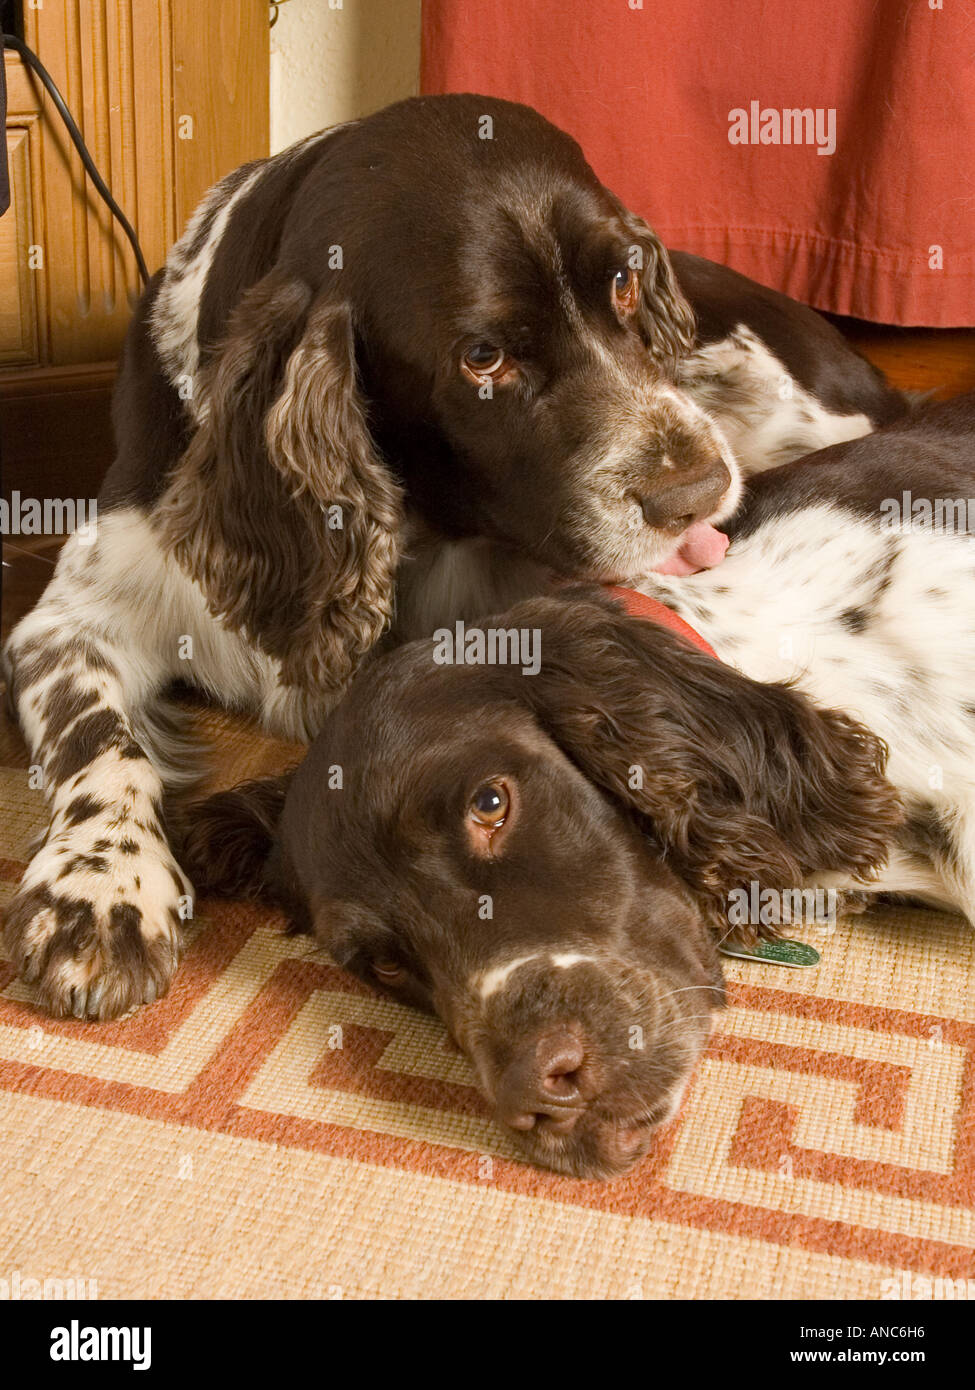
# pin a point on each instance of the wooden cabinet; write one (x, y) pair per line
(170, 95)
(20, 312)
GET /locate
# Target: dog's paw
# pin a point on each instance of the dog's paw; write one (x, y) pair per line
(96, 923)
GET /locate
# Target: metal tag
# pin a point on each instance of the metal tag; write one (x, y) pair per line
(795, 954)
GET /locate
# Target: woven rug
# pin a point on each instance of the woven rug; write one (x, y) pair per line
(222, 1143)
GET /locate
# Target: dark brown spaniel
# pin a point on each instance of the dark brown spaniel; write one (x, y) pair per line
(540, 851)
(407, 370)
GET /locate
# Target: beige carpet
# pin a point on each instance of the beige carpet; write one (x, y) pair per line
(220, 1143)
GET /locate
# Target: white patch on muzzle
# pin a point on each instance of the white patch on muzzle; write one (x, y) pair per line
(488, 982)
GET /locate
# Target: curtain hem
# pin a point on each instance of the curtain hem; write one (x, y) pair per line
(840, 277)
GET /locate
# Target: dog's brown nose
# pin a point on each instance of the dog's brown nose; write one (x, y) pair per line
(673, 504)
(548, 1082)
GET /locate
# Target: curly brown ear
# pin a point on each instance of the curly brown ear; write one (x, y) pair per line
(227, 841)
(737, 780)
(280, 506)
(665, 318)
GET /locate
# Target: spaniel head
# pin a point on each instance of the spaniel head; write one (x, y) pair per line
(543, 853)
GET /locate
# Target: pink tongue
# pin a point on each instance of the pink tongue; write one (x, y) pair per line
(701, 548)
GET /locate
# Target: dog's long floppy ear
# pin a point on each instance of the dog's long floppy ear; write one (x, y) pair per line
(280, 506)
(227, 842)
(664, 317)
(737, 780)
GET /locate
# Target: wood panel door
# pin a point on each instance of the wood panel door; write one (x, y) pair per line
(169, 95)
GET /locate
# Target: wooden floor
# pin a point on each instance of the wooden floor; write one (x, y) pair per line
(934, 361)
(27, 566)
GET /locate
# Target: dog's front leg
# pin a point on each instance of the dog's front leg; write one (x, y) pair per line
(96, 922)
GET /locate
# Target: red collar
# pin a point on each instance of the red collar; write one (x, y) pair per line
(642, 606)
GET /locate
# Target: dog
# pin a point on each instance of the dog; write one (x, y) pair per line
(408, 370)
(549, 860)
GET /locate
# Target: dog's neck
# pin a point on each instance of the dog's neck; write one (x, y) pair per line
(643, 606)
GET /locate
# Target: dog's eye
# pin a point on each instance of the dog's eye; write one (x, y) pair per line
(626, 290)
(484, 362)
(490, 805)
(484, 356)
(389, 972)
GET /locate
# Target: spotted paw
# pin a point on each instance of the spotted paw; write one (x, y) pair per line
(96, 925)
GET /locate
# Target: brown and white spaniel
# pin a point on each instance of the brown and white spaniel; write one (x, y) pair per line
(544, 840)
(406, 371)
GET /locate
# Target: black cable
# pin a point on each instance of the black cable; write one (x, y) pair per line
(35, 64)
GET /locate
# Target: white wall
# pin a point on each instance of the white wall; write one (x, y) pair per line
(332, 60)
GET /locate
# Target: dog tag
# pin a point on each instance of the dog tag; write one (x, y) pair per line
(795, 954)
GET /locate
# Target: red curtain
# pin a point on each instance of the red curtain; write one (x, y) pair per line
(679, 107)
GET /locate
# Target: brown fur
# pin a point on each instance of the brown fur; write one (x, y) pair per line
(738, 781)
(283, 439)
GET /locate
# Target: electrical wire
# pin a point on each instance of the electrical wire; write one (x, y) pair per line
(273, 19)
(77, 139)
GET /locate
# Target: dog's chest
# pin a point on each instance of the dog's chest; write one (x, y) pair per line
(861, 617)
